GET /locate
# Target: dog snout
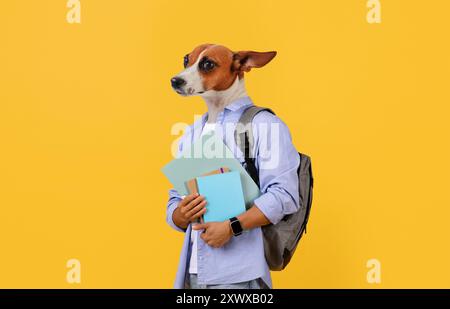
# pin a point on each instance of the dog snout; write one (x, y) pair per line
(177, 82)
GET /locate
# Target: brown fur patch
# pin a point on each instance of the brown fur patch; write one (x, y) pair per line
(223, 75)
(193, 56)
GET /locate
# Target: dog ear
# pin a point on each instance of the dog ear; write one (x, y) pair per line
(244, 61)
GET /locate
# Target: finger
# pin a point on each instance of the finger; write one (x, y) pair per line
(199, 214)
(188, 199)
(211, 243)
(194, 202)
(204, 237)
(200, 226)
(196, 209)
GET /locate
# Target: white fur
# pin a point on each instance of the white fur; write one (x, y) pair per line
(217, 100)
(194, 83)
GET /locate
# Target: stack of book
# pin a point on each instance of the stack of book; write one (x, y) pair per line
(226, 186)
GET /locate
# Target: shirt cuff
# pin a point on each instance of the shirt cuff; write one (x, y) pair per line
(169, 218)
(270, 207)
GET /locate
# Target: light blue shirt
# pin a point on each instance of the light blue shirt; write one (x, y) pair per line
(242, 258)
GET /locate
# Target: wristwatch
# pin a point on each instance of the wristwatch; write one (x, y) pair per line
(236, 226)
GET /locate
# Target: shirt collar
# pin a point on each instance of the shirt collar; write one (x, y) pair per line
(233, 106)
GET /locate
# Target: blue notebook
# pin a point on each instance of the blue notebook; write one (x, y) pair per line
(223, 194)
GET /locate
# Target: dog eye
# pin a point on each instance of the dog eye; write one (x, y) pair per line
(206, 65)
(186, 61)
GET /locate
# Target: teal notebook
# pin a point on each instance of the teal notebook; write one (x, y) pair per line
(223, 195)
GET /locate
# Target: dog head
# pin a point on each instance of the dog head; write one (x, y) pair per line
(212, 67)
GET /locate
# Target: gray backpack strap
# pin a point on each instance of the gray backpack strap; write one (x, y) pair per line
(243, 135)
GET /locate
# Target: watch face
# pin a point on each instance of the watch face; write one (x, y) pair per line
(236, 227)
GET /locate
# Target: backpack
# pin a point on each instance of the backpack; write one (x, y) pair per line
(281, 239)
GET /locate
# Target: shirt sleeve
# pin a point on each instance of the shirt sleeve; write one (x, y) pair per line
(277, 161)
(172, 204)
(174, 196)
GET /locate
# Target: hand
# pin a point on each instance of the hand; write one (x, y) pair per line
(216, 234)
(189, 209)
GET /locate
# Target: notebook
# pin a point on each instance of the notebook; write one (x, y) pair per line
(192, 184)
(223, 194)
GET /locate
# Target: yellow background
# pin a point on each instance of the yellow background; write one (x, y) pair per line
(86, 111)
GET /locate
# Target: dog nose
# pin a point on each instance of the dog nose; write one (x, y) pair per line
(177, 82)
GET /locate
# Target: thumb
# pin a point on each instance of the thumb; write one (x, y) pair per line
(200, 226)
